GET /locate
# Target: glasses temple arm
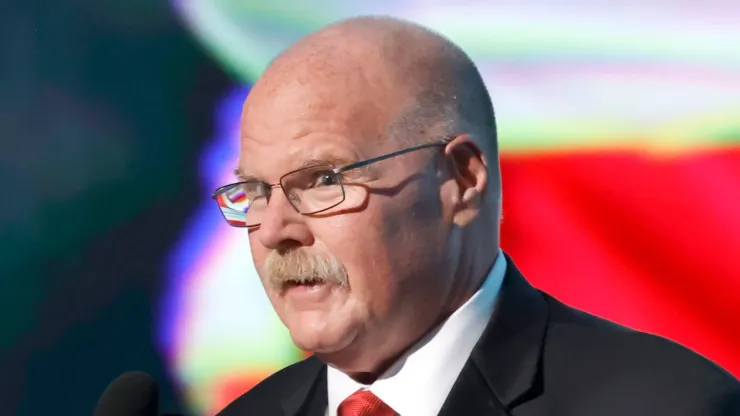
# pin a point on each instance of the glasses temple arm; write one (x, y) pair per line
(389, 155)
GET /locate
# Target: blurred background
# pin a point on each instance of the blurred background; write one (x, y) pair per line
(620, 136)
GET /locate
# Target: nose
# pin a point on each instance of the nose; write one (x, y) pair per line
(282, 226)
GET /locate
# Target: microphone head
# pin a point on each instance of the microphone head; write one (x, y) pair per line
(131, 394)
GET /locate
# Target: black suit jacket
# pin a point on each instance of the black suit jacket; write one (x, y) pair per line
(538, 356)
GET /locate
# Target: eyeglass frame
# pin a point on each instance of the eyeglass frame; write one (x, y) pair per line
(335, 170)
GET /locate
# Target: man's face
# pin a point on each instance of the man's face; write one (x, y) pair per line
(379, 250)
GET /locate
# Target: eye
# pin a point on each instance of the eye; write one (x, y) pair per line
(254, 190)
(263, 188)
(325, 178)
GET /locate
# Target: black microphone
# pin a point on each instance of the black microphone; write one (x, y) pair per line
(131, 394)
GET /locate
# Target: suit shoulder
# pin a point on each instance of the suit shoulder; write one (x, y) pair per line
(601, 353)
(266, 397)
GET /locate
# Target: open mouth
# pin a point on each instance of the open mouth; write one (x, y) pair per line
(307, 283)
(307, 292)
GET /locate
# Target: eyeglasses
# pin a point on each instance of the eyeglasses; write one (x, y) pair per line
(310, 190)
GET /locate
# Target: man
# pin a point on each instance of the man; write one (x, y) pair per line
(370, 186)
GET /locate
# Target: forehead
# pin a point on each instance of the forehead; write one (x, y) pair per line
(268, 153)
(270, 159)
(283, 127)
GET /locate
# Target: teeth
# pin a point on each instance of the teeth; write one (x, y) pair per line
(304, 281)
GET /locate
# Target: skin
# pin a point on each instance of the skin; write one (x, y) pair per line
(425, 236)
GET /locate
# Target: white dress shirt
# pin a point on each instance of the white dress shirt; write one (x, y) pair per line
(420, 381)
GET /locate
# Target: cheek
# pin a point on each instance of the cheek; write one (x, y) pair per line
(414, 235)
(359, 242)
(350, 238)
(383, 244)
(415, 221)
(259, 252)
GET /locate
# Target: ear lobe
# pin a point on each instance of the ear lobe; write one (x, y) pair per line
(471, 198)
(468, 207)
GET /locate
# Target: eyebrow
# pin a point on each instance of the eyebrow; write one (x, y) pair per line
(333, 160)
(329, 159)
(243, 176)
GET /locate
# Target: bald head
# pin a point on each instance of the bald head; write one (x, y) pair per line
(406, 230)
(427, 86)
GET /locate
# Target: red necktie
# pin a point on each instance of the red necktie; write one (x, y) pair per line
(364, 403)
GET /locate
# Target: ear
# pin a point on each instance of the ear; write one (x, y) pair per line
(470, 173)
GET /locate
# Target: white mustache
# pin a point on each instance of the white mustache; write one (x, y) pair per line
(302, 266)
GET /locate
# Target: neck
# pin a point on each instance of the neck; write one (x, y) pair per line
(475, 265)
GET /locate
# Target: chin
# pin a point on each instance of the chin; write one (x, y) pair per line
(319, 335)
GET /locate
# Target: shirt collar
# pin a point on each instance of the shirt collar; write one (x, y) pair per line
(419, 382)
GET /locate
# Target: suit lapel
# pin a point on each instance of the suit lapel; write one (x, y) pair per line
(309, 398)
(503, 369)
(471, 395)
(317, 399)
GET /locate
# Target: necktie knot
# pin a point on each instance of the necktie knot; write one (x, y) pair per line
(364, 403)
